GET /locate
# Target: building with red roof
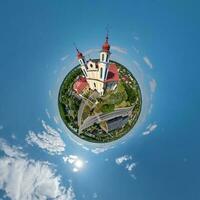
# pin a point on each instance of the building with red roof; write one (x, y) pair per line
(113, 74)
(112, 77)
(81, 85)
(125, 78)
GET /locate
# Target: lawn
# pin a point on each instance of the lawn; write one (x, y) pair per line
(112, 100)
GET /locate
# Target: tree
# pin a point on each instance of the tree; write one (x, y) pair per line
(106, 108)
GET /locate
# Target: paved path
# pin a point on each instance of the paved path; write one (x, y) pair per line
(89, 121)
(84, 102)
(80, 111)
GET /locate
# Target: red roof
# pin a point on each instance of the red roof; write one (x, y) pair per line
(113, 74)
(125, 78)
(106, 46)
(80, 84)
(79, 55)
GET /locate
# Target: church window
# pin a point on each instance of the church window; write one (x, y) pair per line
(102, 57)
(101, 72)
(107, 58)
(85, 72)
(106, 72)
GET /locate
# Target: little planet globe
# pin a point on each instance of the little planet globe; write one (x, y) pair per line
(99, 100)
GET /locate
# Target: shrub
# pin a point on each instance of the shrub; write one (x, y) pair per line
(106, 108)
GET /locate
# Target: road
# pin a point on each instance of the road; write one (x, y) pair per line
(105, 117)
(80, 111)
(84, 102)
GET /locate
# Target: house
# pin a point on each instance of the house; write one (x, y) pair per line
(112, 77)
(81, 85)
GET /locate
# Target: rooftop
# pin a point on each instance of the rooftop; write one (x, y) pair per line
(80, 84)
(116, 123)
(113, 74)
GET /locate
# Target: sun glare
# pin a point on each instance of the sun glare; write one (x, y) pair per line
(78, 164)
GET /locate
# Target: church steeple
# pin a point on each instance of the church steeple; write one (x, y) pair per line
(106, 46)
(80, 57)
(105, 52)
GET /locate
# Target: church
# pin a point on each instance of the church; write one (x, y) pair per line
(100, 75)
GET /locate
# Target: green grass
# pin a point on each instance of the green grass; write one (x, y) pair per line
(86, 113)
(106, 108)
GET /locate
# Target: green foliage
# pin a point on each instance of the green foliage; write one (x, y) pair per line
(67, 84)
(131, 93)
(62, 113)
(106, 108)
(86, 112)
(117, 97)
(67, 100)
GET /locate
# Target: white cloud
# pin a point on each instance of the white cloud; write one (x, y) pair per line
(50, 93)
(150, 128)
(133, 176)
(135, 36)
(127, 163)
(91, 148)
(70, 159)
(47, 113)
(148, 62)
(131, 166)
(119, 49)
(13, 136)
(75, 161)
(94, 195)
(11, 151)
(1, 127)
(153, 127)
(152, 84)
(150, 108)
(49, 140)
(89, 51)
(146, 133)
(24, 179)
(122, 159)
(56, 119)
(59, 130)
(70, 195)
(99, 150)
(64, 57)
(136, 63)
(85, 148)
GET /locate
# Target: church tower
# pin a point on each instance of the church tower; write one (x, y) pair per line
(96, 71)
(82, 62)
(104, 60)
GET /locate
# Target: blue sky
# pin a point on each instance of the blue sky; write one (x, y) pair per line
(158, 41)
